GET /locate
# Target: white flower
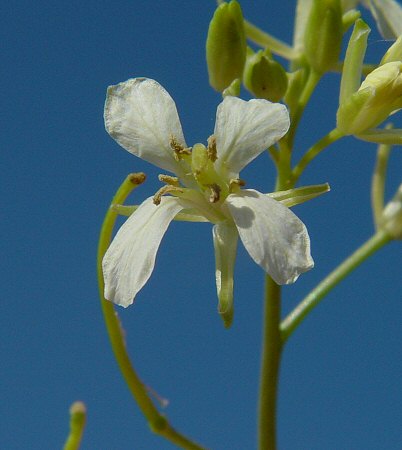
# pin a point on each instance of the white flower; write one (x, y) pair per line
(142, 117)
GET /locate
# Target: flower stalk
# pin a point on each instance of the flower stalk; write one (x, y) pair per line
(270, 365)
(296, 317)
(157, 422)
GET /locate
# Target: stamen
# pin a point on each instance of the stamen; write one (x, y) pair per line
(165, 190)
(179, 150)
(172, 181)
(211, 149)
(235, 184)
(215, 193)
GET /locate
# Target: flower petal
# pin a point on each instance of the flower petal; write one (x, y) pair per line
(141, 116)
(225, 244)
(274, 237)
(130, 259)
(243, 130)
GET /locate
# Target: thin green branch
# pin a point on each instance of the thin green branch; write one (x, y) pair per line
(314, 151)
(378, 181)
(265, 40)
(270, 364)
(157, 422)
(296, 317)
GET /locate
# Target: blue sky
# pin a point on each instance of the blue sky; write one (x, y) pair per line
(340, 380)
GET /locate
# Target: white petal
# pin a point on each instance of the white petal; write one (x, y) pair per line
(130, 259)
(243, 130)
(225, 244)
(275, 238)
(141, 116)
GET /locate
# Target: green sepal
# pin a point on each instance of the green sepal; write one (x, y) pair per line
(225, 238)
(352, 68)
(296, 196)
(226, 45)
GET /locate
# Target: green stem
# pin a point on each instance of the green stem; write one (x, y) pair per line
(157, 422)
(265, 40)
(315, 150)
(271, 355)
(378, 181)
(311, 83)
(296, 317)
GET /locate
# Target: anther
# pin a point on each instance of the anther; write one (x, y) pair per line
(179, 149)
(137, 178)
(215, 193)
(172, 181)
(211, 149)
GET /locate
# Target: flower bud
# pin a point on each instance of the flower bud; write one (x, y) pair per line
(264, 77)
(391, 219)
(226, 45)
(379, 95)
(323, 35)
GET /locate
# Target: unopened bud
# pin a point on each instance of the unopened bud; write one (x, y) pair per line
(264, 77)
(323, 35)
(226, 45)
(391, 219)
(379, 95)
(394, 53)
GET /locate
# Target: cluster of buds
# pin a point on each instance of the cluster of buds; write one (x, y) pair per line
(364, 106)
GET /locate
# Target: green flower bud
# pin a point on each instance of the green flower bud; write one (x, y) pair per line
(264, 77)
(379, 95)
(391, 219)
(296, 83)
(226, 45)
(323, 35)
(394, 53)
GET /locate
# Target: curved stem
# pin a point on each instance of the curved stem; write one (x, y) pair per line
(296, 317)
(271, 355)
(157, 422)
(315, 150)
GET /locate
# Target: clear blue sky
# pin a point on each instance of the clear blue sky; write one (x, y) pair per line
(340, 384)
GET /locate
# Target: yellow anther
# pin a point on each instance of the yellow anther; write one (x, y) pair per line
(179, 149)
(172, 181)
(211, 149)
